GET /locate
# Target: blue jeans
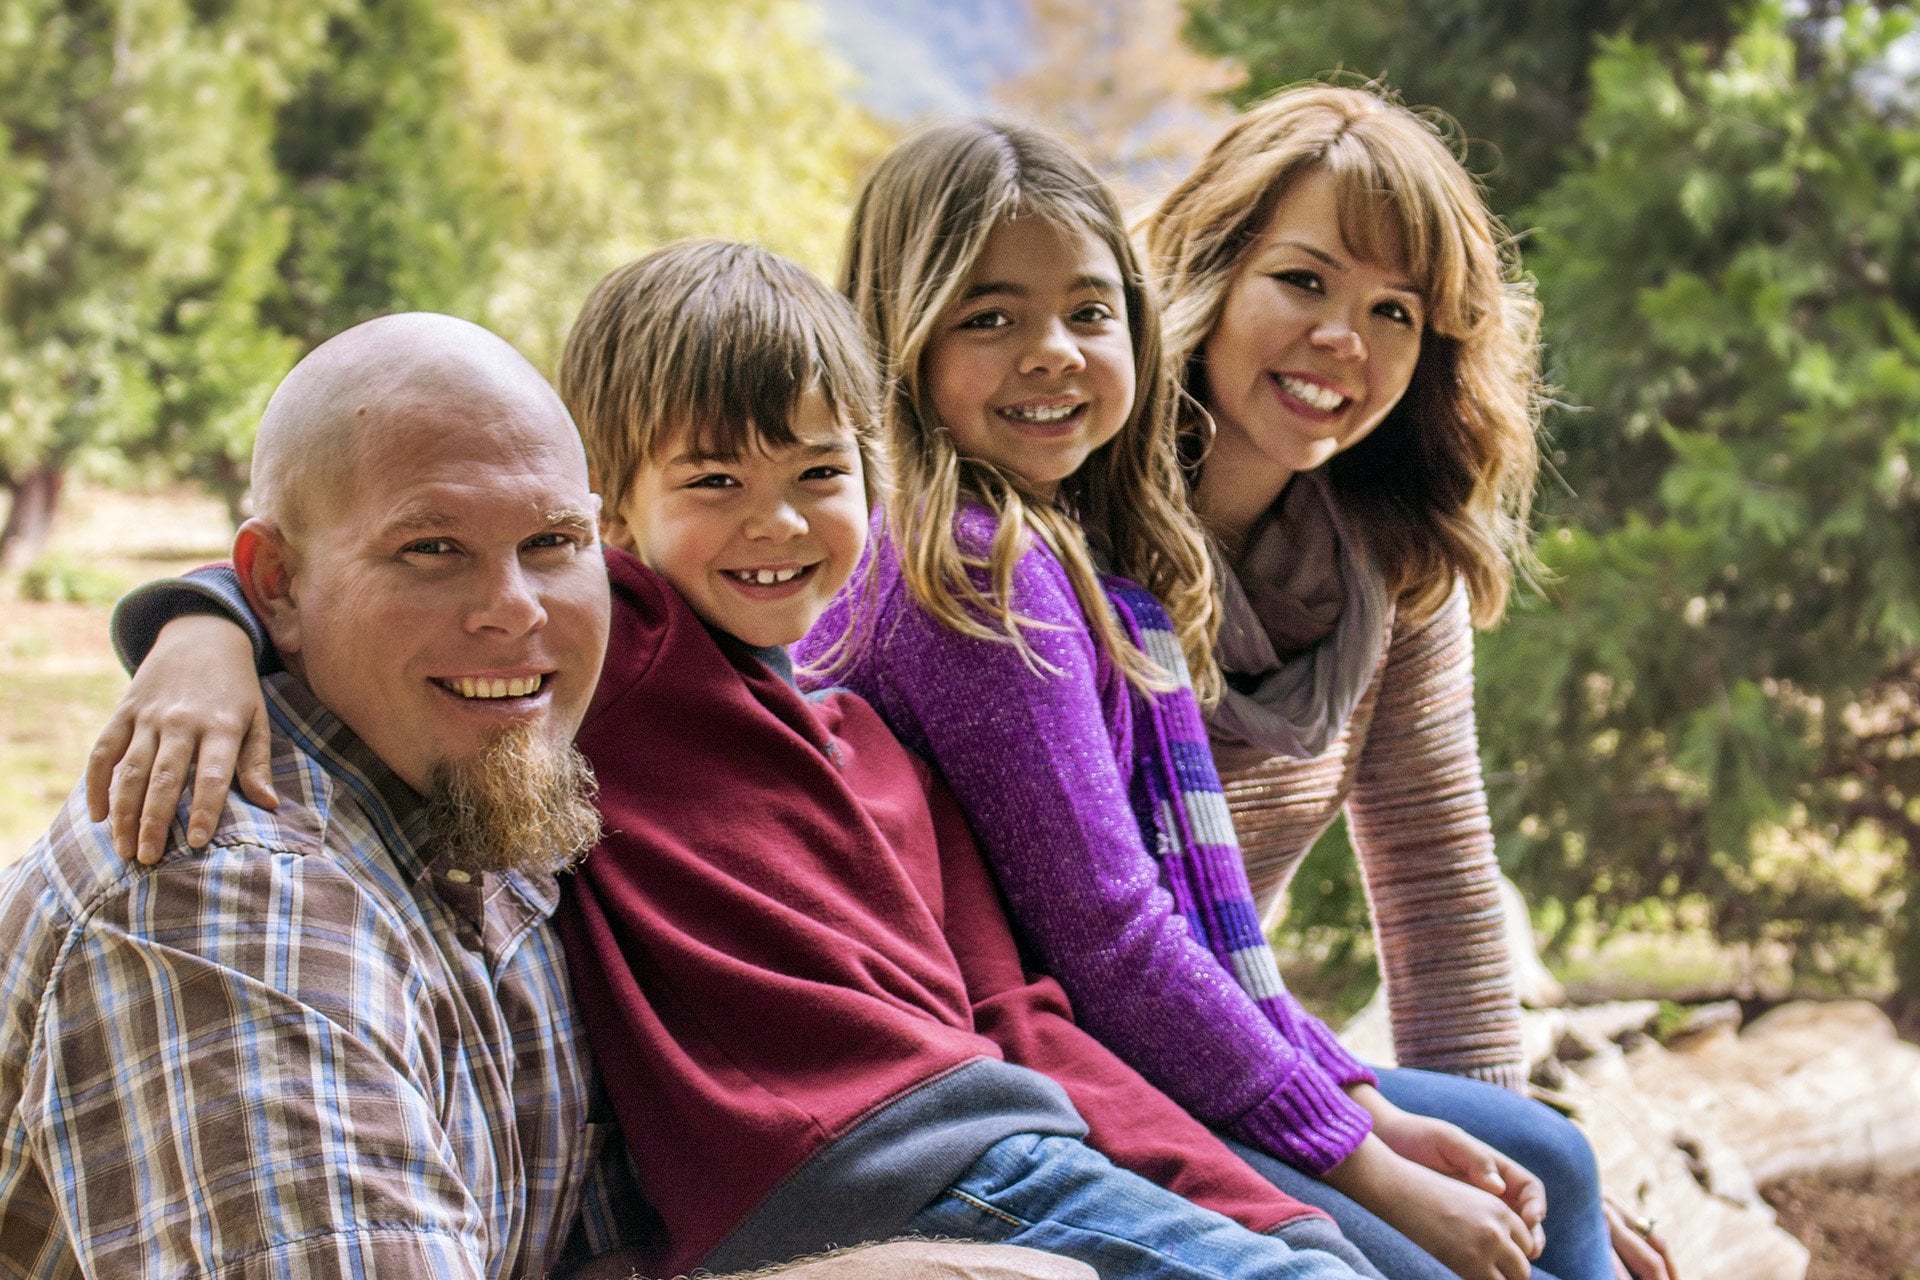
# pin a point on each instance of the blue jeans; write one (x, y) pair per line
(1061, 1195)
(1534, 1136)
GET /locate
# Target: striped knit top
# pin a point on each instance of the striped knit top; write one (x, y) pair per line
(1407, 769)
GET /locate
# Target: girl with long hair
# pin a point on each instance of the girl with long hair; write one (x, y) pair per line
(1038, 619)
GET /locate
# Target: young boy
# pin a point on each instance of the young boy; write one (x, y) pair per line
(808, 1008)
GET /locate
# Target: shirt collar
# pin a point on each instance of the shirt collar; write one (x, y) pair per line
(777, 660)
(499, 908)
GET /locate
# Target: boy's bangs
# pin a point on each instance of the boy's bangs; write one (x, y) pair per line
(737, 407)
(739, 385)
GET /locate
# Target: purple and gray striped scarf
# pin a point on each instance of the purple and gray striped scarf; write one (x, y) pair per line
(1183, 816)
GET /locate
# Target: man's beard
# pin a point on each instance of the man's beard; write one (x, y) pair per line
(522, 803)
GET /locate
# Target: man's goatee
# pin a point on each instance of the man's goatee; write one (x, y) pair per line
(522, 804)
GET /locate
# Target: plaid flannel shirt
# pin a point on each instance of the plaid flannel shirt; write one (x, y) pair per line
(307, 1052)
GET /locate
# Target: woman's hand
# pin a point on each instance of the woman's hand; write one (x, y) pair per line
(1473, 1232)
(1639, 1252)
(194, 710)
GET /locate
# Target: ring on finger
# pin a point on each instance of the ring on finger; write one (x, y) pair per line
(1642, 1226)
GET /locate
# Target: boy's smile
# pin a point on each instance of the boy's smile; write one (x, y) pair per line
(758, 544)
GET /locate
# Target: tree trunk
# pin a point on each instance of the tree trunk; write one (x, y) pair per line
(35, 497)
(1904, 1005)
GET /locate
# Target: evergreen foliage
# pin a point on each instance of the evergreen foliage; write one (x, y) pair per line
(1513, 73)
(1718, 697)
(137, 230)
(628, 123)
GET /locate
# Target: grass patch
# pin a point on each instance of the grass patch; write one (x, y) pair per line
(47, 725)
(59, 679)
(61, 578)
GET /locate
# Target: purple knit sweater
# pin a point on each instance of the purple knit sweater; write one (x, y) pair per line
(1042, 764)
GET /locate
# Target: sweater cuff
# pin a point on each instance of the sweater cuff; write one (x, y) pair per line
(1307, 1121)
(1508, 1075)
(213, 589)
(1319, 1045)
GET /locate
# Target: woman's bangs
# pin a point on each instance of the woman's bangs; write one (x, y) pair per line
(1392, 211)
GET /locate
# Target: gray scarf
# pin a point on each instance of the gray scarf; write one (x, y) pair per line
(1302, 629)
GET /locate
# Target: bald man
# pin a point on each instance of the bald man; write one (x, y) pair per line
(341, 1042)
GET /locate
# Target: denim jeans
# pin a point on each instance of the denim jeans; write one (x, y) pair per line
(1534, 1136)
(1061, 1195)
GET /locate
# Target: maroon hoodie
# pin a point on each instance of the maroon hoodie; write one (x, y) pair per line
(798, 978)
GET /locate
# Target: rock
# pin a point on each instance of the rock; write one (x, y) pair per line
(1661, 1162)
(1685, 1134)
(1536, 987)
(1596, 1029)
(1720, 1017)
(1368, 1035)
(1809, 1088)
(1655, 1156)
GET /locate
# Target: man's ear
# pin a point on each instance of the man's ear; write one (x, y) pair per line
(264, 560)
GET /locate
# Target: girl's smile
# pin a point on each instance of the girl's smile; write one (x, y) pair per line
(1032, 368)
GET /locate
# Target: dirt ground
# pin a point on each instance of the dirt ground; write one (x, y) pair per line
(1859, 1228)
(58, 676)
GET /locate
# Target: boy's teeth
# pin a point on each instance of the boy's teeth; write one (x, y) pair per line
(1325, 399)
(495, 687)
(767, 577)
(1040, 412)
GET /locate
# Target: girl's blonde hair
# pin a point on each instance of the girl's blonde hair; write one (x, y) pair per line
(920, 225)
(1442, 487)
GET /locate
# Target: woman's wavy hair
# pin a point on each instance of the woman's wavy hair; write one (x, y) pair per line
(1442, 487)
(921, 223)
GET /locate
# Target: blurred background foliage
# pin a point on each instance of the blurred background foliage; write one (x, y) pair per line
(1708, 716)
(195, 192)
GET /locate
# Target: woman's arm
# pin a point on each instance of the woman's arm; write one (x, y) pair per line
(192, 714)
(1029, 756)
(1419, 824)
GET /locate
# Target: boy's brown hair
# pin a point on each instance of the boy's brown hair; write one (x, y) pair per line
(720, 340)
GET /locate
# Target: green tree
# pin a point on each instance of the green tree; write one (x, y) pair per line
(195, 192)
(137, 232)
(1720, 700)
(396, 196)
(624, 124)
(1513, 73)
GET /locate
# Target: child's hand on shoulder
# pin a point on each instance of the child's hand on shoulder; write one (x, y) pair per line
(193, 714)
